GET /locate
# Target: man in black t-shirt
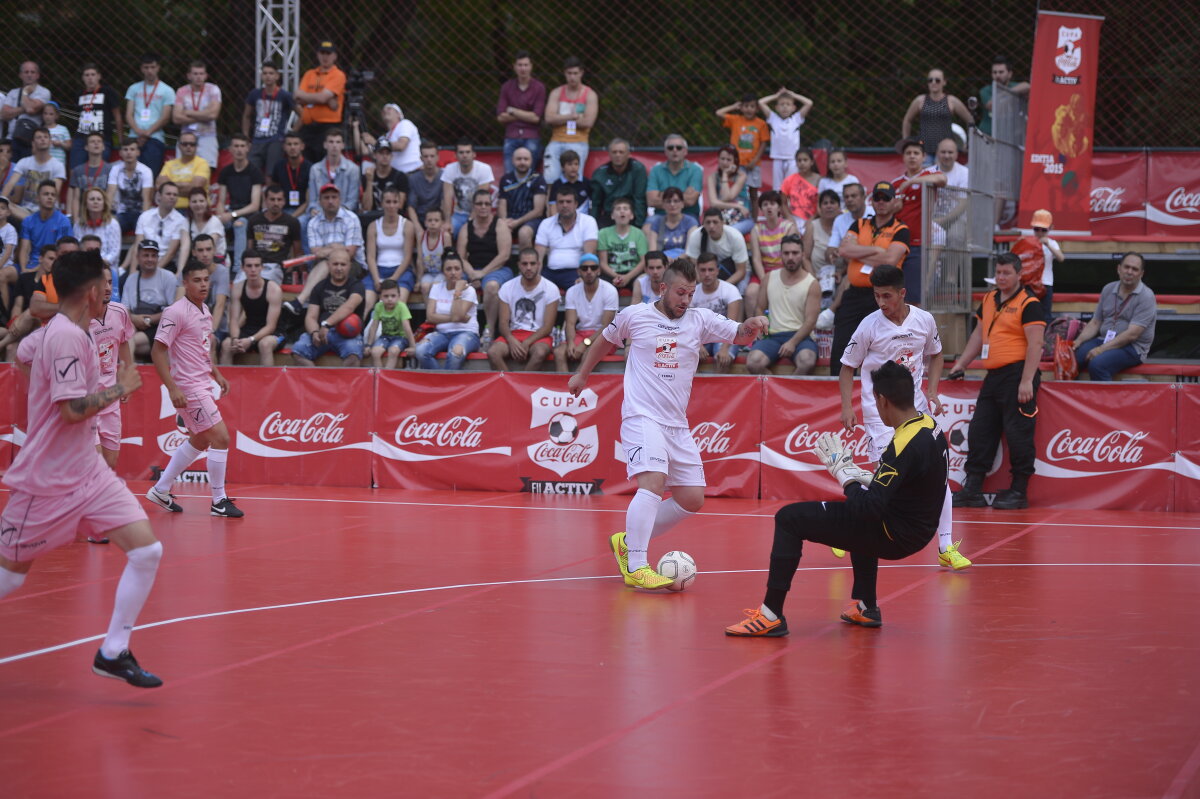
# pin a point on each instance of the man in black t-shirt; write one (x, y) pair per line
(274, 234)
(333, 300)
(241, 194)
(99, 112)
(379, 180)
(890, 514)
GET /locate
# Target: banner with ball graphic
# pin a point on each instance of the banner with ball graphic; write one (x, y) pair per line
(1057, 174)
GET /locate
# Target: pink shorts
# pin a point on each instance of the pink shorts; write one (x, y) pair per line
(109, 427)
(31, 525)
(201, 413)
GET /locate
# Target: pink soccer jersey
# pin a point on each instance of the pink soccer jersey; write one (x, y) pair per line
(30, 345)
(58, 455)
(186, 330)
(109, 332)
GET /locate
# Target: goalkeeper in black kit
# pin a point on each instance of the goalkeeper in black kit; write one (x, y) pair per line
(890, 514)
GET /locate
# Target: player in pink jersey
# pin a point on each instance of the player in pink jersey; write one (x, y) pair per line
(112, 331)
(664, 347)
(60, 484)
(183, 357)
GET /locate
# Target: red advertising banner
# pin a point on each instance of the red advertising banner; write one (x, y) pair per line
(1173, 195)
(1098, 447)
(1187, 449)
(12, 395)
(1062, 100)
(436, 430)
(795, 412)
(1118, 197)
(726, 417)
(300, 426)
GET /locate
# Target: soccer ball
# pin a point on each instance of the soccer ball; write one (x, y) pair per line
(680, 567)
(564, 428)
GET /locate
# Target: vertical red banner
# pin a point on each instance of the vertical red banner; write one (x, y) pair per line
(1057, 174)
(12, 395)
(1187, 449)
(795, 412)
(726, 417)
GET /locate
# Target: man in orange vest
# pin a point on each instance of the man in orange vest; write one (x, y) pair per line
(1008, 337)
(870, 242)
(321, 97)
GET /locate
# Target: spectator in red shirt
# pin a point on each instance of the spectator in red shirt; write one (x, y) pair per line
(520, 108)
(908, 189)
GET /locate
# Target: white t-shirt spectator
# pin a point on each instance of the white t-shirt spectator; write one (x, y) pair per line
(785, 135)
(8, 237)
(13, 98)
(164, 230)
(528, 308)
(186, 97)
(443, 300)
(129, 187)
(590, 312)
(719, 301)
(214, 228)
(110, 239)
(32, 173)
(836, 186)
(731, 245)
(661, 358)
(409, 158)
(565, 247)
(464, 185)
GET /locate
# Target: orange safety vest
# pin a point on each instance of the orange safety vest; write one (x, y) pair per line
(870, 236)
(1002, 327)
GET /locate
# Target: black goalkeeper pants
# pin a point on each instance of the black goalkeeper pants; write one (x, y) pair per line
(830, 523)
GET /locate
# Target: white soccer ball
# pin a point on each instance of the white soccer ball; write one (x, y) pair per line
(564, 428)
(825, 320)
(680, 567)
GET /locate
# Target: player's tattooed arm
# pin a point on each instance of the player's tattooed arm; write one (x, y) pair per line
(80, 408)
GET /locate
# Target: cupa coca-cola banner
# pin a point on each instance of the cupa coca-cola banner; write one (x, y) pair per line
(1097, 445)
(1062, 104)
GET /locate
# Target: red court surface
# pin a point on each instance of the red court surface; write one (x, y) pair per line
(363, 643)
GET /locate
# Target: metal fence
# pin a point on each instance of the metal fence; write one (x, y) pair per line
(658, 68)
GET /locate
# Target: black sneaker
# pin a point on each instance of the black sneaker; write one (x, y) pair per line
(294, 307)
(164, 500)
(227, 509)
(967, 499)
(124, 667)
(1011, 499)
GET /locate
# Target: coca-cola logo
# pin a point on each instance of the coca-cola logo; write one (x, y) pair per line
(320, 428)
(1180, 200)
(457, 431)
(575, 455)
(1115, 446)
(1107, 199)
(711, 437)
(802, 440)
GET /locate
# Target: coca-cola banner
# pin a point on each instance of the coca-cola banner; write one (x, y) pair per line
(795, 412)
(1173, 195)
(726, 417)
(1108, 445)
(437, 430)
(1119, 194)
(300, 426)
(12, 400)
(1187, 452)
(1062, 104)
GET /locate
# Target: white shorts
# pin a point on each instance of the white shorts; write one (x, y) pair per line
(651, 447)
(879, 435)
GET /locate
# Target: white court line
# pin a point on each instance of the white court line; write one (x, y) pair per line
(623, 510)
(330, 600)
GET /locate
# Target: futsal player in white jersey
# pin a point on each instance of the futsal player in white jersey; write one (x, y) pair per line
(908, 336)
(664, 341)
(59, 483)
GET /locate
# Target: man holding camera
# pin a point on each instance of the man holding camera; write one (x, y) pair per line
(321, 97)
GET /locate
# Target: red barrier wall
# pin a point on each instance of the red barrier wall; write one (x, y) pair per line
(1132, 446)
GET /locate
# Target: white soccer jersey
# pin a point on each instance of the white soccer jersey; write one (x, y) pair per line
(878, 340)
(661, 358)
(589, 313)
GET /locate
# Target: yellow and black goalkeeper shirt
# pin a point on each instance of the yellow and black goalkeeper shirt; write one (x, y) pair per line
(909, 486)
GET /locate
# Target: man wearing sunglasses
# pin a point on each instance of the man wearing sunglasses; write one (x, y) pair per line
(677, 172)
(1008, 337)
(590, 304)
(187, 170)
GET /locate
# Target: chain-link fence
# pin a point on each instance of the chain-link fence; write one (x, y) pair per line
(657, 68)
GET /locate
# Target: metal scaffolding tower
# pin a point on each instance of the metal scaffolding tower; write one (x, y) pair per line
(277, 37)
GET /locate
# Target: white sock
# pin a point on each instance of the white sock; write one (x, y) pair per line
(945, 528)
(639, 521)
(180, 460)
(132, 590)
(766, 611)
(670, 513)
(9, 582)
(217, 460)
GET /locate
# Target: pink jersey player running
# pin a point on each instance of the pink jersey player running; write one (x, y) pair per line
(182, 355)
(60, 484)
(664, 347)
